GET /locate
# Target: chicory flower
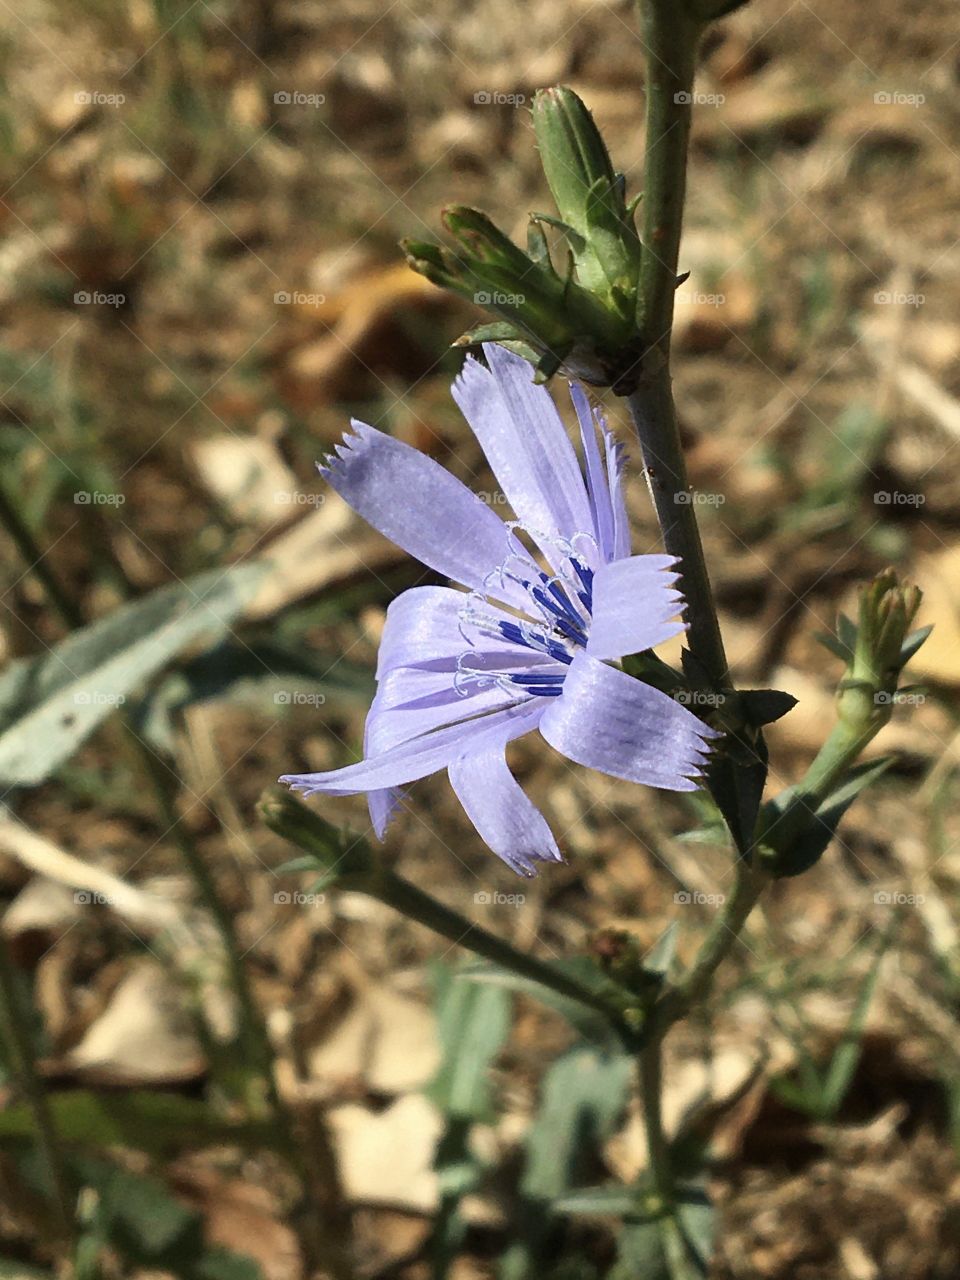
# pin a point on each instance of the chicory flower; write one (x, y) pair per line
(551, 600)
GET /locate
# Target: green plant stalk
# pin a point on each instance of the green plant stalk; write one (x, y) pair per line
(859, 720)
(680, 997)
(35, 561)
(671, 38)
(650, 1075)
(413, 902)
(673, 1005)
(253, 1030)
(19, 1041)
(353, 866)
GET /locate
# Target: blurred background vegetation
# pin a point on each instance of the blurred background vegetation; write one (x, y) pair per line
(199, 284)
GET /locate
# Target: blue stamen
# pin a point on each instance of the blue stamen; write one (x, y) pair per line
(569, 624)
(585, 574)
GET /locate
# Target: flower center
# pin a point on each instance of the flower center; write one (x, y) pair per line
(552, 626)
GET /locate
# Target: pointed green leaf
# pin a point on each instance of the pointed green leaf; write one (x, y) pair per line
(823, 824)
(913, 643)
(764, 706)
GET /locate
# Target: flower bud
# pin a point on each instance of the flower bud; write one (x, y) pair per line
(887, 610)
(589, 197)
(581, 319)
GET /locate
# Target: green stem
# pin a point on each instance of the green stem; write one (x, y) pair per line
(655, 417)
(35, 561)
(859, 721)
(19, 1042)
(678, 999)
(650, 1069)
(353, 865)
(411, 901)
(671, 39)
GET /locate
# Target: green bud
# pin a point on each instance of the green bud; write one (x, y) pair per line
(887, 609)
(336, 855)
(589, 195)
(581, 318)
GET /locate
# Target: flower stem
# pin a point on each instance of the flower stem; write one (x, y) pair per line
(352, 864)
(414, 903)
(650, 1069)
(680, 997)
(671, 37)
(655, 417)
(16, 1034)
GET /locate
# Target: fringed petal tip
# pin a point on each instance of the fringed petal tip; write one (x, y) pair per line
(301, 782)
(528, 866)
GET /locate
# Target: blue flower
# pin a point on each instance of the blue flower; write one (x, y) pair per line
(552, 599)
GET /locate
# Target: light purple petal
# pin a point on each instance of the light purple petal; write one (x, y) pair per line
(410, 703)
(421, 507)
(422, 756)
(423, 625)
(609, 721)
(382, 806)
(597, 488)
(616, 456)
(634, 606)
(526, 444)
(504, 815)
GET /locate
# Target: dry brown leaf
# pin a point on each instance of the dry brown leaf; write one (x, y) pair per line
(41, 906)
(386, 1039)
(938, 576)
(386, 1157)
(248, 476)
(143, 1036)
(242, 1217)
(330, 544)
